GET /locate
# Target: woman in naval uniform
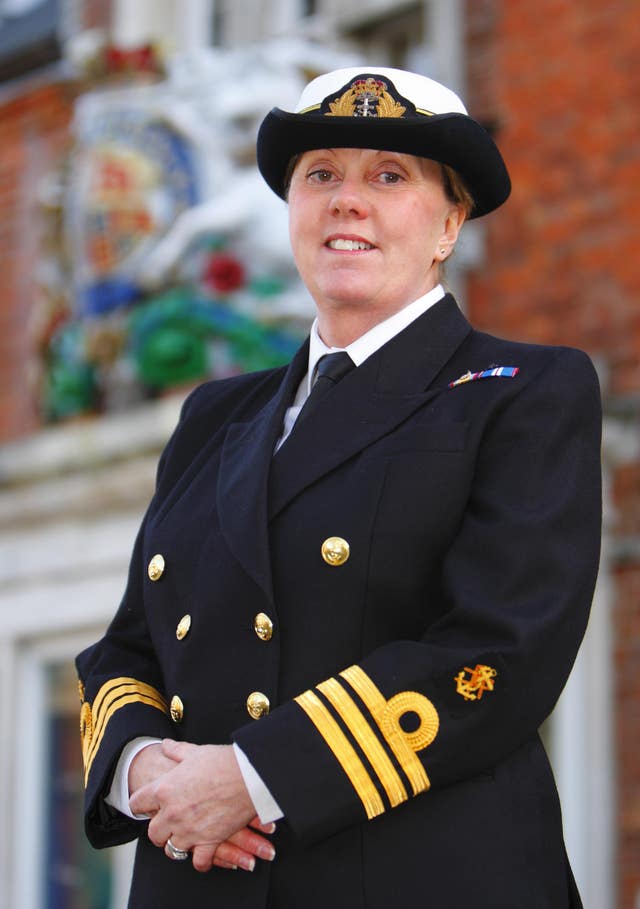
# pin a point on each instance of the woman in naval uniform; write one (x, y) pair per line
(362, 581)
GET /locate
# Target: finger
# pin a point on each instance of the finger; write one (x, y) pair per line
(235, 855)
(142, 808)
(263, 828)
(144, 800)
(158, 832)
(254, 844)
(169, 853)
(226, 865)
(202, 856)
(177, 751)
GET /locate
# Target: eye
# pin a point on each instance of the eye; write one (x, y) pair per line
(390, 177)
(320, 176)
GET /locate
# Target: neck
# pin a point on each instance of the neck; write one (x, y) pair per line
(341, 323)
(342, 326)
(342, 329)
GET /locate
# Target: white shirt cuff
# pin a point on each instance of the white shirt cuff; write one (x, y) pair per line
(266, 806)
(118, 796)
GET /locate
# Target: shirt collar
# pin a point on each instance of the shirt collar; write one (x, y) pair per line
(372, 340)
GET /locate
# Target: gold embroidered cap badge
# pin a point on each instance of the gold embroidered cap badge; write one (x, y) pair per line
(366, 98)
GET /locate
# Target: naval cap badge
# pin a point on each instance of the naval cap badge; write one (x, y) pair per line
(368, 96)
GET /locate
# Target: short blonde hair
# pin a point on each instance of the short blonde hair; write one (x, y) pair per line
(456, 190)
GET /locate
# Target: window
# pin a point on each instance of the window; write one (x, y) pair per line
(53, 866)
(28, 36)
(75, 875)
(394, 39)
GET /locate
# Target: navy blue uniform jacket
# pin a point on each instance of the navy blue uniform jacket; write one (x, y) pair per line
(407, 683)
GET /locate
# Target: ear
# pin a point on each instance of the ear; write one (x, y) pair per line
(453, 222)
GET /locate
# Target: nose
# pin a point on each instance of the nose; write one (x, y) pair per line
(349, 199)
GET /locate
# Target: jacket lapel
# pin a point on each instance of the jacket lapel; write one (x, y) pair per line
(369, 402)
(254, 485)
(245, 461)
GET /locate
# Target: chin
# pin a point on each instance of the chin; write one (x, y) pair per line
(350, 293)
(347, 302)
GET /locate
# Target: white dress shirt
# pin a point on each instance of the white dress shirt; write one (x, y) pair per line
(359, 350)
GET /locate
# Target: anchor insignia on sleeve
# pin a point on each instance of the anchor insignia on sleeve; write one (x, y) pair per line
(480, 679)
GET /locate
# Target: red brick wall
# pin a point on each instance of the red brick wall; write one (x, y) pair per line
(561, 82)
(34, 130)
(96, 13)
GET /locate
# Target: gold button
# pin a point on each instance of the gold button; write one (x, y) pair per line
(156, 567)
(257, 705)
(335, 551)
(263, 626)
(183, 627)
(176, 708)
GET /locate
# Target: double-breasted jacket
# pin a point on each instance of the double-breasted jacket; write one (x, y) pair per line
(397, 595)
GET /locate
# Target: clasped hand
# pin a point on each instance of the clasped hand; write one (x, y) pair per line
(195, 795)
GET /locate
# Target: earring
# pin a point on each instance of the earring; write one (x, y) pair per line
(443, 252)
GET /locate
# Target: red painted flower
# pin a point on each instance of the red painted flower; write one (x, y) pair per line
(136, 59)
(223, 273)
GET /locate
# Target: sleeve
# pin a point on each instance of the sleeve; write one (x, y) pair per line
(516, 585)
(122, 698)
(121, 693)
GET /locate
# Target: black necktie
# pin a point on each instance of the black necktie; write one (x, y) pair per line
(330, 369)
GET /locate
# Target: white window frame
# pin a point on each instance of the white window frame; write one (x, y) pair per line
(25, 847)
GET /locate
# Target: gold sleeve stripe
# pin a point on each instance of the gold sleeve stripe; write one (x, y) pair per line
(121, 702)
(387, 715)
(343, 752)
(118, 682)
(109, 705)
(113, 695)
(115, 689)
(361, 731)
(101, 715)
(105, 712)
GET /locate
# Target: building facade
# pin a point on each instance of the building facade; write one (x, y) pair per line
(554, 81)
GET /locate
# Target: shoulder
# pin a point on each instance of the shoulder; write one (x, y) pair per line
(207, 412)
(230, 393)
(537, 363)
(541, 354)
(530, 388)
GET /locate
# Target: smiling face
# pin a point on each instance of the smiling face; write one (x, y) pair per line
(368, 229)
